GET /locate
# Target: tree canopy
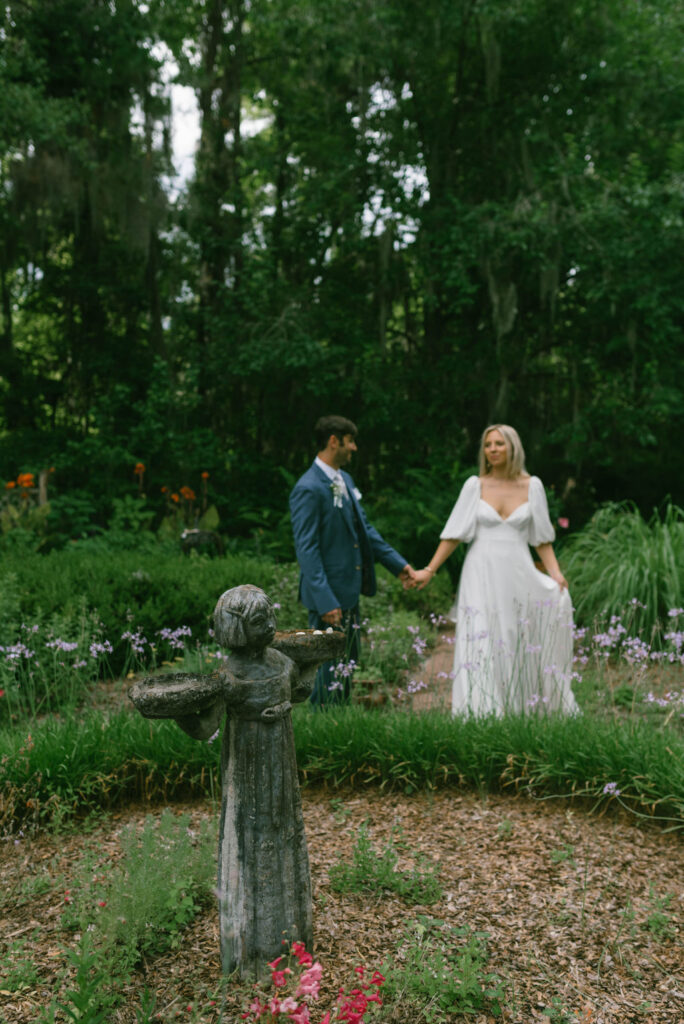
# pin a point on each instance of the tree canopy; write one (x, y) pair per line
(425, 216)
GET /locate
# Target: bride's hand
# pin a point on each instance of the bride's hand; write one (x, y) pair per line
(560, 579)
(422, 577)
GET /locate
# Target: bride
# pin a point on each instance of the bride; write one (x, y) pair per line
(513, 649)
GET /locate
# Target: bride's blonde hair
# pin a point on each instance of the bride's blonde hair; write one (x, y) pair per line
(515, 453)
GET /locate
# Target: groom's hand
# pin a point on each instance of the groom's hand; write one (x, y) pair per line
(408, 577)
(334, 617)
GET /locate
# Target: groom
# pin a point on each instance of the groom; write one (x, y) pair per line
(336, 549)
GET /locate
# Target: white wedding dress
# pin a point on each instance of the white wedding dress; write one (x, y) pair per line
(514, 631)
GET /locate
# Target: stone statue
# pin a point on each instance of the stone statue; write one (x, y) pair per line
(264, 882)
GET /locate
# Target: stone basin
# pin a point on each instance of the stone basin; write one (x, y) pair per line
(310, 646)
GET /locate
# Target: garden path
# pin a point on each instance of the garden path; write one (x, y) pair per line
(435, 673)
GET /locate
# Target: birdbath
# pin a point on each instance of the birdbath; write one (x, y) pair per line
(264, 883)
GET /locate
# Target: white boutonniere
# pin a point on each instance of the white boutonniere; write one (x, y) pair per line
(339, 490)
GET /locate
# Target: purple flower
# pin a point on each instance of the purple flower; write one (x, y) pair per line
(415, 685)
(97, 648)
(610, 789)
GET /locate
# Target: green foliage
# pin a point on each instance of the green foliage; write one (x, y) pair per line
(570, 757)
(49, 667)
(619, 556)
(440, 971)
(660, 922)
(150, 588)
(566, 854)
(17, 971)
(558, 1012)
(63, 768)
(165, 877)
(114, 588)
(393, 646)
(377, 872)
(480, 220)
(131, 515)
(89, 999)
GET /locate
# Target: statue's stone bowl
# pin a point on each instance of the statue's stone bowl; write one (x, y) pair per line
(175, 695)
(310, 646)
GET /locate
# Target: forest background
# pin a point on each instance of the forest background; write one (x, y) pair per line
(424, 216)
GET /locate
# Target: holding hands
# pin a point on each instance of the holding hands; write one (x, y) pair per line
(411, 577)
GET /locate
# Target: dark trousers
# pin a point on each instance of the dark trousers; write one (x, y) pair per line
(333, 679)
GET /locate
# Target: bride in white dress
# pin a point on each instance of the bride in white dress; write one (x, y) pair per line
(514, 634)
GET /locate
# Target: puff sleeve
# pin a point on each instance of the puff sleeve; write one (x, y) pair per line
(463, 519)
(540, 530)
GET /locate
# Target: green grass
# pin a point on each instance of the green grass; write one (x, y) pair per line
(81, 765)
(545, 757)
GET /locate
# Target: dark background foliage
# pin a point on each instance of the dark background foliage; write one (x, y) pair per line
(454, 212)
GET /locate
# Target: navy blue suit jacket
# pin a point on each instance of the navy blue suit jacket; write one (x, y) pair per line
(336, 561)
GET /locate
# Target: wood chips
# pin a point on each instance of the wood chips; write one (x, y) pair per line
(565, 898)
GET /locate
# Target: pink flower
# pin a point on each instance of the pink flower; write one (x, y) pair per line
(301, 1016)
(257, 1008)
(298, 949)
(278, 977)
(310, 981)
(563, 522)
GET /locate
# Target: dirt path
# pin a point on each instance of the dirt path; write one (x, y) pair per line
(435, 673)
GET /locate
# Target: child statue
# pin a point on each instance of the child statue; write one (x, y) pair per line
(264, 882)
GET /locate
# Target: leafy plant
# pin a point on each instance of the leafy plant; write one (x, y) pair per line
(89, 1000)
(566, 854)
(440, 970)
(16, 970)
(373, 872)
(165, 876)
(660, 921)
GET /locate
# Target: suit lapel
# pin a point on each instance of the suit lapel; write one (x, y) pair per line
(346, 510)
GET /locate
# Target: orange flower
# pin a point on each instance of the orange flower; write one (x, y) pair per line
(174, 497)
(139, 468)
(188, 493)
(25, 479)
(164, 490)
(205, 475)
(51, 469)
(9, 485)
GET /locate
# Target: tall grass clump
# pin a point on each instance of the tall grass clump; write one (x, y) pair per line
(619, 556)
(68, 768)
(55, 769)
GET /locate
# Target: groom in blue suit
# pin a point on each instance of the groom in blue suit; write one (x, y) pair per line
(336, 549)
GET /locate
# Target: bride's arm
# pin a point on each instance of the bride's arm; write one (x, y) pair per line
(445, 548)
(550, 562)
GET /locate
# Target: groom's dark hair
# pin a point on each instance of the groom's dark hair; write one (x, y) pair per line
(337, 425)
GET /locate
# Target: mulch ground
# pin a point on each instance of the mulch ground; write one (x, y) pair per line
(570, 903)
(565, 898)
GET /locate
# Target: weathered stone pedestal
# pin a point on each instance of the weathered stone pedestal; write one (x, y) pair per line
(264, 882)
